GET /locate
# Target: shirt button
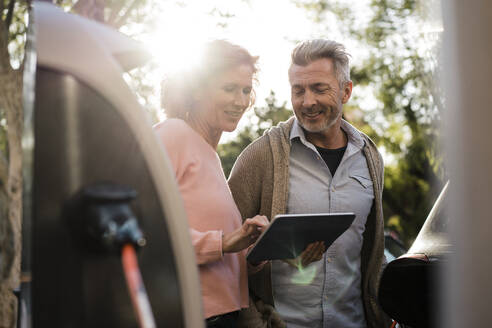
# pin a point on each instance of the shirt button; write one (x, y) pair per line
(332, 189)
(328, 259)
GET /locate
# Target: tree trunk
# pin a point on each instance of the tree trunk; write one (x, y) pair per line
(10, 186)
(7, 254)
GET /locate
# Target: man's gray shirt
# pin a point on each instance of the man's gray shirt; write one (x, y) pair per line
(326, 293)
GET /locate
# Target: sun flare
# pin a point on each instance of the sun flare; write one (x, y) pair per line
(176, 43)
(183, 28)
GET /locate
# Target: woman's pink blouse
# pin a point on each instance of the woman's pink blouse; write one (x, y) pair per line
(211, 212)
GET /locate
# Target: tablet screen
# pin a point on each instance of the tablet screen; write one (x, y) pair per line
(289, 234)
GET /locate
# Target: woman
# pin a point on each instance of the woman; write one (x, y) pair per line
(200, 104)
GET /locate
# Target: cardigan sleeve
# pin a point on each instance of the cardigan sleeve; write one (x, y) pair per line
(245, 180)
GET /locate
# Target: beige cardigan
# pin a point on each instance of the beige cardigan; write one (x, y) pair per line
(259, 183)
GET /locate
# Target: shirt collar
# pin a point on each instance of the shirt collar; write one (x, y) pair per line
(353, 135)
(297, 132)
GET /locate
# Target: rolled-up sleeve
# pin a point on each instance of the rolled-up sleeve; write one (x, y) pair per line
(208, 245)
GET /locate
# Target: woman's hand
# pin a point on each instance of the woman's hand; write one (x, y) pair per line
(312, 253)
(244, 236)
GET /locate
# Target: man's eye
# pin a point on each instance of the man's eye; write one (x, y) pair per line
(298, 92)
(321, 90)
(247, 91)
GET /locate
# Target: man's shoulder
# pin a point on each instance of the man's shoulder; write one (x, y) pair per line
(273, 134)
(362, 139)
(369, 142)
(282, 128)
(365, 138)
(256, 147)
(373, 150)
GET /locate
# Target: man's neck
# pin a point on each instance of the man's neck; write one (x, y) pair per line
(332, 138)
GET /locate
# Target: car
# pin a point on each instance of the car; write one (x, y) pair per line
(408, 290)
(393, 246)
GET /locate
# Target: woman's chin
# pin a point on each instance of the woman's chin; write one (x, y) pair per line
(230, 126)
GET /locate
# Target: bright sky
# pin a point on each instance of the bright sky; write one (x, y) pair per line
(267, 28)
(262, 27)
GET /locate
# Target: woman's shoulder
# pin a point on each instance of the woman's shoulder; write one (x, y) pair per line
(173, 133)
(174, 128)
(172, 124)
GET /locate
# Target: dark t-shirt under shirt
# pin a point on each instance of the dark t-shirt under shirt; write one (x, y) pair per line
(332, 157)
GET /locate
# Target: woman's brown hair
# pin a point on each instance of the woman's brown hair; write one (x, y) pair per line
(178, 89)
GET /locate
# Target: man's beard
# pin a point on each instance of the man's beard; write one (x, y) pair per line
(325, 123)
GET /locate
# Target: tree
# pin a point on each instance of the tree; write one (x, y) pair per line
(395, 100)
(397, 73)
(12, 31)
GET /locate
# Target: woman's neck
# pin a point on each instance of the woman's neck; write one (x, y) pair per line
(210, 135)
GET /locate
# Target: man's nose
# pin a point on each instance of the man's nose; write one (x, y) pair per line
(309, 99)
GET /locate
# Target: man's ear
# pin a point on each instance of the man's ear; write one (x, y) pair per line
(347, 91)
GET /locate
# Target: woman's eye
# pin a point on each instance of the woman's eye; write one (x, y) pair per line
(229, 88)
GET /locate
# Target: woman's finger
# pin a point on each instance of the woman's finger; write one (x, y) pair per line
(260, 222)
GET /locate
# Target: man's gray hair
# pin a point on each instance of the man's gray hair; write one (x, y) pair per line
(311, 50)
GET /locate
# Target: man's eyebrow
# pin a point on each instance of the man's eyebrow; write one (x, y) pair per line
(320, 84)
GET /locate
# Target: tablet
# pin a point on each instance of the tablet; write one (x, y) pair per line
(289, 234)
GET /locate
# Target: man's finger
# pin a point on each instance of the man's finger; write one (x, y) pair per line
(308, 256)
(313, 252)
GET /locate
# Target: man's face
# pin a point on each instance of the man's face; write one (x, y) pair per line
(316, 96)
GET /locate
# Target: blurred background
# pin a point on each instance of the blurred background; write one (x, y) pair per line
(395, 47)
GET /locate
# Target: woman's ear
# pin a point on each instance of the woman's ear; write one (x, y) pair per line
(198, 95)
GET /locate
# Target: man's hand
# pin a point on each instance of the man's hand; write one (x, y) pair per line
(312, 253)
(244, 236)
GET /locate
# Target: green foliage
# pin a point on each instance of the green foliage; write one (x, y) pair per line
(395, 101)
(141, 82)
(13, 23)
(14, 18)
(263, 119)
(398, 70)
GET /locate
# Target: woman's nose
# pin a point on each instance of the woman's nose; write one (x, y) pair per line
(242, 100)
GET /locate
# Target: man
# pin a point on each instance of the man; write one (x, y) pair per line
(313, 163)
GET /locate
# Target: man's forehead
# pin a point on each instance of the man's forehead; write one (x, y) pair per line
(321, 69)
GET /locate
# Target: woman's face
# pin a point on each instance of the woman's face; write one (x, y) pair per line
(223, 101)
